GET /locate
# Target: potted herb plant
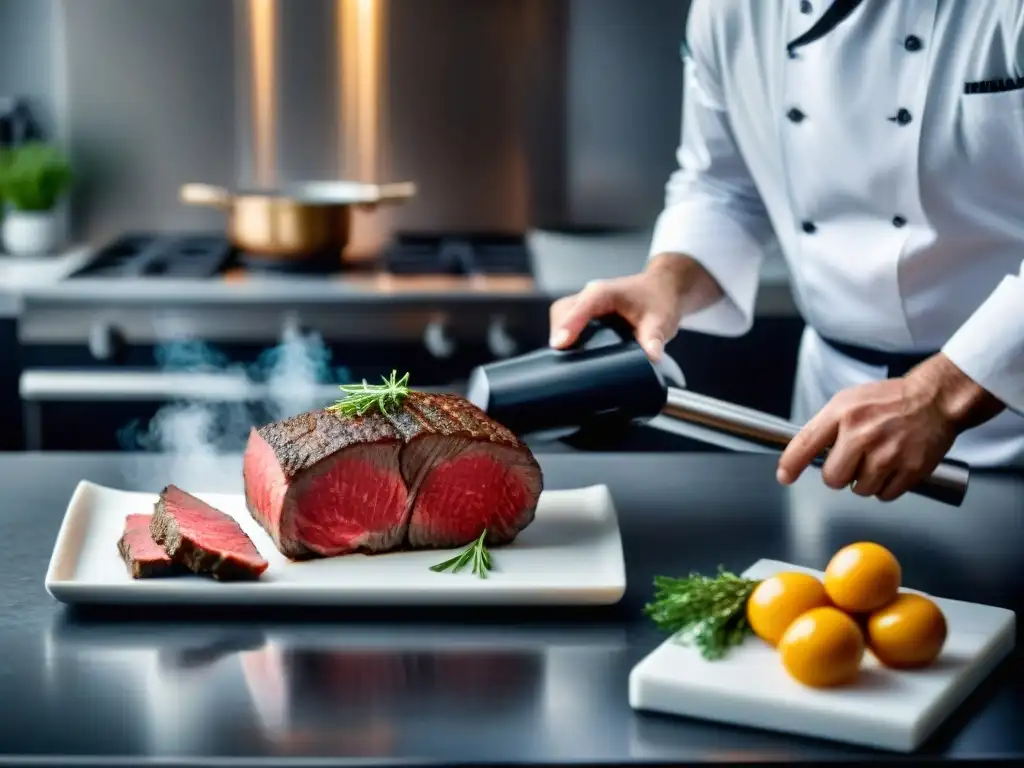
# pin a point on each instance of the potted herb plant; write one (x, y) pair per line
(33, 180)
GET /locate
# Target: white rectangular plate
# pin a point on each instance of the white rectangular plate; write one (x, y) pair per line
(570, 555)
(885, 709)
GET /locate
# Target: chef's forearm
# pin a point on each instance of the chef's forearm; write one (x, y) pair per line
(694, 285)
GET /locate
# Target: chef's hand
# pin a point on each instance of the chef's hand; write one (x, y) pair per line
(652, 301)
(886, 436)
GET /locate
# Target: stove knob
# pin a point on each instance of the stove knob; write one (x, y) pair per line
(437, 340)
(106, 342)
(499, 340)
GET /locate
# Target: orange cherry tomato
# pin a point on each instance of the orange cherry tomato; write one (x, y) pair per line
(908, 633)
(863, 577)
(776, 602)
(823, 648)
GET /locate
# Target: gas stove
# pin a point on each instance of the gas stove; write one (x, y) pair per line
(433, 304)
(442, 290)
(207, 256)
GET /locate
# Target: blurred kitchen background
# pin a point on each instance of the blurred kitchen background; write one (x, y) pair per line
(539, 134)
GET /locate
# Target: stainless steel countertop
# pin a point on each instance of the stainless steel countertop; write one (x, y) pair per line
(441, 687)
(19, 275)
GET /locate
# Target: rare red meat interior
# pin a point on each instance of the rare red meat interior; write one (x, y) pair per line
(433, 472)
(144, 558)
(204, 539)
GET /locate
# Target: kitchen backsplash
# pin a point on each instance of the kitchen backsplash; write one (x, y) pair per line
(507, 113)
(27, 61)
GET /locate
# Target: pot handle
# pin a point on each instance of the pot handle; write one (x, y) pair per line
(400, 190)
(205, 194)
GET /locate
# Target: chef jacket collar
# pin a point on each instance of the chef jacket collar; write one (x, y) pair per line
(830, 19)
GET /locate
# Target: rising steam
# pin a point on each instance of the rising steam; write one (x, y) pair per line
(285, 380)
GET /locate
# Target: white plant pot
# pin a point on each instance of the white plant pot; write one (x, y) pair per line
(30, 233)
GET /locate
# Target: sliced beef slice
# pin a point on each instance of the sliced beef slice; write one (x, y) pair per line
(432, 474)
(204, 539)
(144, 558)
(322, 485)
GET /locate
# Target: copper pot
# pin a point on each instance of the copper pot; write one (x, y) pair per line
(296, 222)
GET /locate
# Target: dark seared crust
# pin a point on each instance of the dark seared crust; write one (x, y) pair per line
(303, 440)
(448, 416)
(145, 568)
(165, 532)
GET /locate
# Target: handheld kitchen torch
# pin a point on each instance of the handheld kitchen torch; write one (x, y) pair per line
(606, 380)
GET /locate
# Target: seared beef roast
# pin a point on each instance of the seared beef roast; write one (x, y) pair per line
(432, 473)
(204, 539)
(144, 558)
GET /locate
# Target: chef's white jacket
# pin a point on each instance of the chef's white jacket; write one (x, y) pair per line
(886, 161)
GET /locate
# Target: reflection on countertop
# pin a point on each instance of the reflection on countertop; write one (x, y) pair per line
(305, 692)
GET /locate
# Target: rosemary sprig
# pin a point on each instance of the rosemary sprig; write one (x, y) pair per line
(361, 398)
(708, 613)
(477, 554)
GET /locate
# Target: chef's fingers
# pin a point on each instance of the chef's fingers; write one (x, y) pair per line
(568, 321)
(651, 332)
(871, 484)
(896, 486)
(843, 464)
(556, 315)
(817, 435)
(877, 469)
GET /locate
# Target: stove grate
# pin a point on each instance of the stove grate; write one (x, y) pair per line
(154, 255)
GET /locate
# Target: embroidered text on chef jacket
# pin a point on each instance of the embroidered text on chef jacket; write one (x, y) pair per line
(886, 159)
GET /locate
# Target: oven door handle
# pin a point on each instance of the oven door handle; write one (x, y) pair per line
(84, 386)
(48, 385)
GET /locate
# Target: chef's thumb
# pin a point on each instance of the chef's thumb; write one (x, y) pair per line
(651, 333)
(593, 301)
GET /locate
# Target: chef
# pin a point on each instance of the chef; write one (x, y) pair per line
(880, 146)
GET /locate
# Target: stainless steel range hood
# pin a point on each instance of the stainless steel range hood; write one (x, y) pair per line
(509, 114)
(360, 89)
